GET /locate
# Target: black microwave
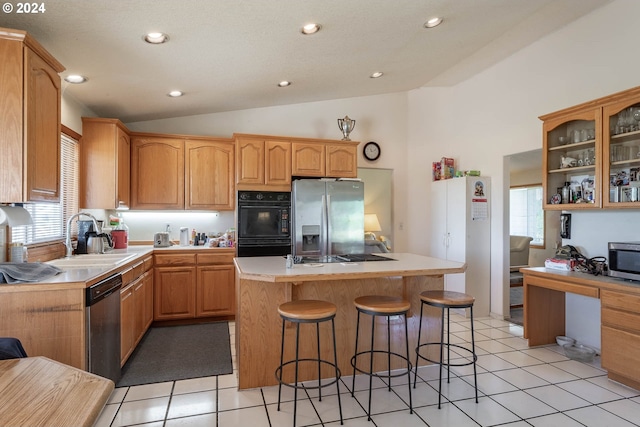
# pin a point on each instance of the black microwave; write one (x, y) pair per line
(624, 260)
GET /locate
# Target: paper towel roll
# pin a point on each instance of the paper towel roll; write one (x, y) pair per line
(14, 216)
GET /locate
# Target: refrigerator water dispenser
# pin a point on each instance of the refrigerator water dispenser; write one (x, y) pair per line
(310, 238)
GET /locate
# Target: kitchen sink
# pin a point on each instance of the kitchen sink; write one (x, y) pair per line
(91, 260)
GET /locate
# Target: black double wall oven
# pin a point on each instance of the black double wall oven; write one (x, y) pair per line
(263, 223)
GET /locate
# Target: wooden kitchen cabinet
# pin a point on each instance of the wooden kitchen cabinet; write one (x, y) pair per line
(127, 312)
(621, 152)
(136, 306)
(620, 335)
(342, 161)
(171, 172)
(174, 293)
(595, 147)
(191, 285)
(30, 114)
(215, 285)
(324, 159)
(263, 163)
(105, 157)
(571, 137)
(209, 169)
(309, 159)
(157, 173)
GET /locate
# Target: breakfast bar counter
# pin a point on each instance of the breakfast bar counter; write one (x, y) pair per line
(263, 283)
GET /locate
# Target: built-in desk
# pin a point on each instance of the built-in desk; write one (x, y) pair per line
(544, 315)
(37, 391)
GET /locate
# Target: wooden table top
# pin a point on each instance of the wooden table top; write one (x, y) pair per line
(37, 391)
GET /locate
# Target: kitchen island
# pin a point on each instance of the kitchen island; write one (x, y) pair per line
(263, 283)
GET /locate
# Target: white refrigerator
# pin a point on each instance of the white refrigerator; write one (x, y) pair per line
(461, 231)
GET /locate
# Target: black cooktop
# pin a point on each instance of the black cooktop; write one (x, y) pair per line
(341, 258)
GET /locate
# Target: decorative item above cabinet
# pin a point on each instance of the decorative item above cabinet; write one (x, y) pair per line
(593, 149)
(29, 120)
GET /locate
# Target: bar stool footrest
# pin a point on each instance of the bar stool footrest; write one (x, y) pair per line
(308, 387)
(386, 353)
(445, 345)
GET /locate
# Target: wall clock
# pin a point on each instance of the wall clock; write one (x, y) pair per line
(371, 151)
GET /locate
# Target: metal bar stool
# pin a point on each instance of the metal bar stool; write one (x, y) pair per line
(387, 306)
(308, 311)
(447, 300)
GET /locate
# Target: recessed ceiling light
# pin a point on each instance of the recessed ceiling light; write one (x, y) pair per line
(175, 93)
(376, 74)
(433, 22)
(156, 38)
(75, 79)
(284, 83)
(310, 29)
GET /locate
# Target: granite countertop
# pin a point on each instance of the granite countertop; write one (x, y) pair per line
(273, 269)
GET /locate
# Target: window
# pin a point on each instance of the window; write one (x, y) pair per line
(49, 219)
(526, 214)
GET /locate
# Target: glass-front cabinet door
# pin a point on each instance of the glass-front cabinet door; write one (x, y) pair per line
(572, 159)
(621, 154)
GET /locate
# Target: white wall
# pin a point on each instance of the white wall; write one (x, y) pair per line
(495, 114)
(72, 111)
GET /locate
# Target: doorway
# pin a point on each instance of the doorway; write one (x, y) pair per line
(378, 199)
(525, 169)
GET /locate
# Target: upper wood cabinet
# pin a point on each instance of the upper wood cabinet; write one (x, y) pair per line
(325, 159)
(209, 175)
(594, 148)
(105, 152)
(171, 172)
(309, 159)
(157, 173)
(29, 120)
(268, 162)
(262, 163)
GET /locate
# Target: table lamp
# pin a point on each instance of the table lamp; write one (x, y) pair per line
(371, 225)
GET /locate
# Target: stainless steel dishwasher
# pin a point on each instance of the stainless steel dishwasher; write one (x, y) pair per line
(103, 328)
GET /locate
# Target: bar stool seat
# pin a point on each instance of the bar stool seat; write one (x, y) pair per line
(446, 300)
(379, 305)
(307, 311)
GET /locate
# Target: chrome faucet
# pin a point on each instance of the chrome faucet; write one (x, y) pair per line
(67, 241)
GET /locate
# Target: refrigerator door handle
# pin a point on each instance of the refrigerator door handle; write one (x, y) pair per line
(323, 226)
(326, 211)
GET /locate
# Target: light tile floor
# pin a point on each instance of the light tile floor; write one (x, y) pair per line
(518, 386)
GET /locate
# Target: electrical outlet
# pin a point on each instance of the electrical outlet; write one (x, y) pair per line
(401, 225)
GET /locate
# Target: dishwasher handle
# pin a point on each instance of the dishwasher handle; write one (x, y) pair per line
(101, 290)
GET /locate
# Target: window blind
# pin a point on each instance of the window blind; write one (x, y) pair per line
(49, 219)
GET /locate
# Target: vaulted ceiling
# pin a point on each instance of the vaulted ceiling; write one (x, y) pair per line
(229, 55)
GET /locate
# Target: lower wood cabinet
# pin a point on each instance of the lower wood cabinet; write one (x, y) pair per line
(215, 288)
(136, 306)
(620, 335)
(192, 285)
(174, 296)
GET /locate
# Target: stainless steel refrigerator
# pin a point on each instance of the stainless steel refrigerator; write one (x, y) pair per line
(328, 217)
